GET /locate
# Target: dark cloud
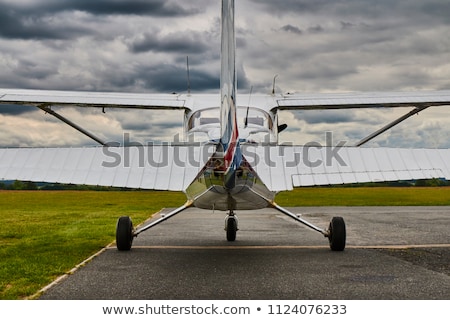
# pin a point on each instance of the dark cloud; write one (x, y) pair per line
(134, 7)
(31, 69)
(38, 21)
(15, 110)
(314, 46)
(182, 43)
(316, 29)
(155, 8)
(170, 78)
(14, 25)
(325, 116)
(439, 10)
(288, 6)
(313, 29)
(292, 29)
(347, 25)
(411, 10)
(326, 7)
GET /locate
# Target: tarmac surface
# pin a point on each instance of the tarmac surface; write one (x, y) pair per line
(391, 253)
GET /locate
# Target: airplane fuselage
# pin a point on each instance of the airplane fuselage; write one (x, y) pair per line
(227, 181)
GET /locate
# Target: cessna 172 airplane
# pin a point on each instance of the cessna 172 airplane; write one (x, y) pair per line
(229, 171)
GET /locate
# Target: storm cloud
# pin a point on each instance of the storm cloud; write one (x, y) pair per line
(141, 46)
(180, 42)
(40, 20)
(102, 7)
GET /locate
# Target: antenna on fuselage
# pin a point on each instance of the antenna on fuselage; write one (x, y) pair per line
(248, 107)
(273, 84)
(188, 76)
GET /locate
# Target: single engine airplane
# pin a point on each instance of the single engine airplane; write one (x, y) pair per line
(229, 171)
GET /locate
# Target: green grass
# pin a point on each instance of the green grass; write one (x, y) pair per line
(44, 234)
(378, 196)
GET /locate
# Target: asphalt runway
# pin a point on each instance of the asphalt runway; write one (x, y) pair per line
(391, 253)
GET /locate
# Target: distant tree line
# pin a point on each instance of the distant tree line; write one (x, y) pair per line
(415, 183)
(28, 185)
(18, 185)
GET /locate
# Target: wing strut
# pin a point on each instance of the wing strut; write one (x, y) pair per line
(48, 110)
(297, 218)
(125, 232)
(336, 232)
(390, 125)
(188, 204)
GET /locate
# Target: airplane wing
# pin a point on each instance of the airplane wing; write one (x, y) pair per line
(92, 99)
(418, 99)
(45, 99)
(282, 168)
(156, 167)
(285, 167)
(180, 101)
(159, 167)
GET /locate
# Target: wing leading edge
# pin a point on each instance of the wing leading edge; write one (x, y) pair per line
(266, 102)
(92, 99)
(351, 100)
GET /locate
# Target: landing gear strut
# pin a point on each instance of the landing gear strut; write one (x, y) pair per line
(335, 233)
(231, 226)
(125, 233)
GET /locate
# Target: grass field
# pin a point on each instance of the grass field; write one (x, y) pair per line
(44, 234)
(379, 196)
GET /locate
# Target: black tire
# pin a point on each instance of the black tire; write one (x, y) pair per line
(231, 229)
(124, 233)
(338, 234)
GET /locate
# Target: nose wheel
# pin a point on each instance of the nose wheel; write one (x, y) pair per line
(231, 226)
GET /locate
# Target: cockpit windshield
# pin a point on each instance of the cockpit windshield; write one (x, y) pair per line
(254, 125)
(211, 117)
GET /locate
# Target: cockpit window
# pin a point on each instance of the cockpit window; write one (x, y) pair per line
(259, 121)
(209, 120)
(204, 117)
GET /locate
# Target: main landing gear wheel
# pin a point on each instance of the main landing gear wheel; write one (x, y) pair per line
(231, 228)
(337, 234)
(124, 234)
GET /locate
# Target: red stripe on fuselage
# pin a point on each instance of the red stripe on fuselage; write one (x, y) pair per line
(232, 145)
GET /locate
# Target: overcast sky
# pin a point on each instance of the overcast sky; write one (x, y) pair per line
(141, 46)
